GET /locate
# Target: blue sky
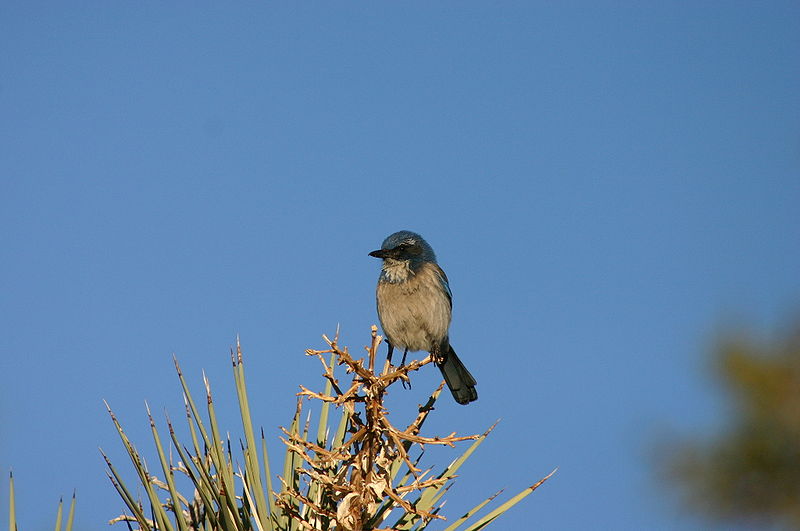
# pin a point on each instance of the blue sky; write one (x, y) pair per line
(606, 185)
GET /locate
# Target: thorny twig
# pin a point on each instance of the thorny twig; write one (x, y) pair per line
(362, 465)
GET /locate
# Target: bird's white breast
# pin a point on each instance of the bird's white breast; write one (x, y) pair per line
(414, 313)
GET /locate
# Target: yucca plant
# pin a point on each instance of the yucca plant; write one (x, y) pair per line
(364, 474)
(60, 524)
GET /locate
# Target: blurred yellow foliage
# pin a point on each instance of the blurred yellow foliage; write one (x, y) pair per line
(751, 469)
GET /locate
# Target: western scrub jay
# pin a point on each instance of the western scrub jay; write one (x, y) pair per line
(415, 305)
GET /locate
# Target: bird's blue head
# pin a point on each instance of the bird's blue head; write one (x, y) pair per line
(405, 246)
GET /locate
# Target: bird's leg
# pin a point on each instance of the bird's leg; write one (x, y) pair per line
(438, 355)
(403, 364)
(389, 354)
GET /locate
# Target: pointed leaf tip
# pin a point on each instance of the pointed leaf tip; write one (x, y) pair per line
(492, 427)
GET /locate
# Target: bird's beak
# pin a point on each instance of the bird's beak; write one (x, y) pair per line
(380, 253)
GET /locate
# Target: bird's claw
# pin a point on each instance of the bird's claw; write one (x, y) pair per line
(405, 381)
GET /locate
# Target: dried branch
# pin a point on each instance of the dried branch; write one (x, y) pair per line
(355, 476)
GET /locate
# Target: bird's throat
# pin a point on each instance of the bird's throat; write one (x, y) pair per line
(395, 271)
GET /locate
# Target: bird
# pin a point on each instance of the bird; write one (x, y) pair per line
(415, 308)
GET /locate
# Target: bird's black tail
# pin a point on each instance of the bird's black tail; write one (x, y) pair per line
(458, 379)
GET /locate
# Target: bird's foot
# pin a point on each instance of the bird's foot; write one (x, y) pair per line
(405, 380)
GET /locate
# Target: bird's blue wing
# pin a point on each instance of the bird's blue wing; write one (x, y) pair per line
(445, 283)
